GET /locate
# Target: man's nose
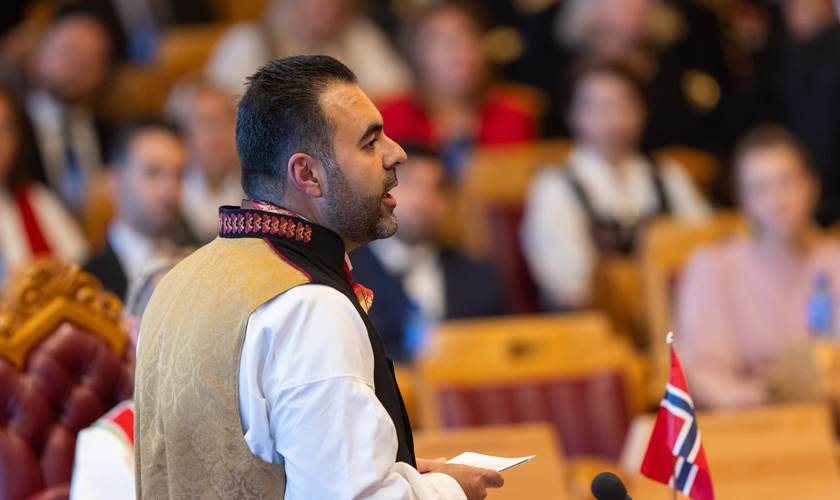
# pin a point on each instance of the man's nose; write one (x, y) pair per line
(396, 154)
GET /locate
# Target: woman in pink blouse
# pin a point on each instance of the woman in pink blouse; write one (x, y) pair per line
(742, 303)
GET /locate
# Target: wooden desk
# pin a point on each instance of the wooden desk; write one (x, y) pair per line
(777, 453)
(543, 478)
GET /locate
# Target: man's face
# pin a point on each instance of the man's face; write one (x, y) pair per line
(357, 203)
(424, 199)
(319, 21)
(150, 181)
(806, 19)
(450, 53)
(73, 60)
(211, 132)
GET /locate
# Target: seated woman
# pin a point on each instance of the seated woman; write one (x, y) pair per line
(608, 189)
(455, 104)
(742, 302)
(35, 223)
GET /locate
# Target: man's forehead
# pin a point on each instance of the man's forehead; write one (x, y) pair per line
(346, 105)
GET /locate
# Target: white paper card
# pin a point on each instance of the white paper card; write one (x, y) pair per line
(488, 462)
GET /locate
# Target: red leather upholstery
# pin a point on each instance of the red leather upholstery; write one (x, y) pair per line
(591, 415)
(509, 260)
(70, 379)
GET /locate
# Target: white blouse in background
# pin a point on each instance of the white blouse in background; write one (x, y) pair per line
(556, 234)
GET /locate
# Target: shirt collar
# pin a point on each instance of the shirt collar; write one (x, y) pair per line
(268, 207)
(282, 227)
(133, 248)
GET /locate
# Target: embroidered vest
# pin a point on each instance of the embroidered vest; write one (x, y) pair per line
(613, 236)
(188, 435)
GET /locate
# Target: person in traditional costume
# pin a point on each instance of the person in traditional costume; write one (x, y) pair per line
(597, 201)
(259, 373)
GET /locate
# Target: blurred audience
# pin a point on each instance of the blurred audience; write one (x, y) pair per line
(136, 25)
(808, 99)
(608, 190)
(455, 103)
(417, 282)
(68, 72)
(35, 223)
(207, 115)
(147, 162)
(741, 302)
(303, 27)
(674, 47)
(103, 468)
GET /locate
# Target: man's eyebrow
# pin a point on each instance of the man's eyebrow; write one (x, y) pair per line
(373, 128)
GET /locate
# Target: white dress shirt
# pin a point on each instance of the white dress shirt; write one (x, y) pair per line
(307, 400)
(59, 228)
(420, 272)
(201, 202)
(556, 233)
(103, 468)
(134, 249)
(48, 118)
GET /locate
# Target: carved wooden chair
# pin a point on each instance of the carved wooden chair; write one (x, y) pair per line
(64, 362)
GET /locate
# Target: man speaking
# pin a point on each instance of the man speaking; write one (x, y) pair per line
(259, 374)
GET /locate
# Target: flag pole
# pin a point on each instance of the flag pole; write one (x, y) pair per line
(669, 339)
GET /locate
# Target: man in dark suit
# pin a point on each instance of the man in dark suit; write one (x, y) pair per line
(68, 73)
(415, 281)
(808, 100)
(147, 164)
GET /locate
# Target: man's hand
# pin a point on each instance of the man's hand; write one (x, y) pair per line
(473, 480)
(424, 465)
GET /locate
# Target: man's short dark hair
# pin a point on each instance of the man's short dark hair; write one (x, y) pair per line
(281, 115)
(118, 152)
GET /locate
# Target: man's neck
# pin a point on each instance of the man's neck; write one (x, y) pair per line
(308, 212)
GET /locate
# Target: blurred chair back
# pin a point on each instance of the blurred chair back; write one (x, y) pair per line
(774, 453)
(237, 10)
(543, 478)
(664, 250)
(703, 167)
(64, 362)
(489, 210)
(184, 49)
(98, 211)
(569, 370)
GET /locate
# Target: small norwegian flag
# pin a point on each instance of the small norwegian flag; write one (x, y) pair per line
(675, 448)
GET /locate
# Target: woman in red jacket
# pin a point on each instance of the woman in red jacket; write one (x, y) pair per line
(455, 103)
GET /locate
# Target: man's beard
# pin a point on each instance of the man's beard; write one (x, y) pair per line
(356, 217)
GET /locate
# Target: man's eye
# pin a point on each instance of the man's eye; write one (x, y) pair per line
(371, 143)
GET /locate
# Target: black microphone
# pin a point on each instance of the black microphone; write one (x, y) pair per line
(607, 486)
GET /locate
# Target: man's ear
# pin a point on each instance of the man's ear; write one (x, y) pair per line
(306, 173)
